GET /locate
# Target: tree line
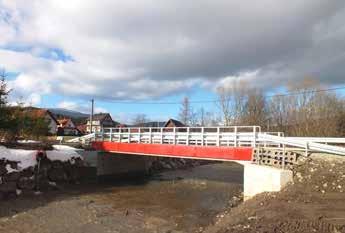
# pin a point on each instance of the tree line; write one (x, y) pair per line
(305, 109)
(16, 121)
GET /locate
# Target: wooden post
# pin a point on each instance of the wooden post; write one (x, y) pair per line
(187, 141)
(139, 134)
(111, 134)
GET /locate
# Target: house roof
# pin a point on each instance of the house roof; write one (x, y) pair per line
(82, 128)
(40, 112)
(64, 122)
(151, 124)
(100, 116)
(175, 122)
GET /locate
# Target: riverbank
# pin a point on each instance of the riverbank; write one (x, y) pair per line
(185, 200)
(314, 203)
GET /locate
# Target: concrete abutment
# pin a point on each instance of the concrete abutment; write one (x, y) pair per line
(259, 179)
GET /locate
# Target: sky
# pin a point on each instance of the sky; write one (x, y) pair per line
(61, 53)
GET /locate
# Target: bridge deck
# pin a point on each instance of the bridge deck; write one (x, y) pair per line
(178, 151)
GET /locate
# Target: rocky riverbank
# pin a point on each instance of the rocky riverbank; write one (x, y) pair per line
(32, 171)
(315, 202)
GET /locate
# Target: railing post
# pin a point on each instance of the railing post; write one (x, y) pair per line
(218, 137)
(202, 135)
(174, 139)
(283, 159)
(235, 141)
(254, 139)
(161, 135)
(120, 134)
(102, 130)
(187, 141)
(111, 134)
(139, 135)
(129, 135)
(150, 135)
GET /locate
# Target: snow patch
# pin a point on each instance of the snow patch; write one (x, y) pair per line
(27, 141)
(10, 170)
(25, 158)
(64, 156)
(65, 148)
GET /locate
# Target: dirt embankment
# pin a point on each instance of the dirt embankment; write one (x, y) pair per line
(315, 202)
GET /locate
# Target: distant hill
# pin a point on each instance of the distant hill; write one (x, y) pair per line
(61, 112)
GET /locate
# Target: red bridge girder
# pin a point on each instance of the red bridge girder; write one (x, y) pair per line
(178, 151)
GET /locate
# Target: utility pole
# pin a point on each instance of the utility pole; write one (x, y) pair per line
(91, 116)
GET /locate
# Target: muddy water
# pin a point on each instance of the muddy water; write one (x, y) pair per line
(174, 201)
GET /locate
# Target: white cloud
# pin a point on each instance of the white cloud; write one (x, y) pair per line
(148, 49)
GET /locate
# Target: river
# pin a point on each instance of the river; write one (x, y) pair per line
(172, 201)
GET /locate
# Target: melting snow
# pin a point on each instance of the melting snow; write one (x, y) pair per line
(27, 158)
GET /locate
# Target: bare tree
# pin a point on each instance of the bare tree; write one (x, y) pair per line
(232, 100)
(255, 109)
(307, 111)
(185, 114)
(140, 119)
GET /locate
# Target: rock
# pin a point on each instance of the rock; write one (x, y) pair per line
(57, 174)
(26, 183)
(3, 170)
(13, 176)
(27, 172)
(72, 173)
(8, 187)
(57, 164)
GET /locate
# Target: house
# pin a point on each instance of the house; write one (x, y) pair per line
(82, 129)
(161, 124)
(150, 124)
(67, 127)
(174, 123)
(100, 120)
(47, 115)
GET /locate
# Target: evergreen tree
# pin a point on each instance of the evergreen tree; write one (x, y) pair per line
(4, 110)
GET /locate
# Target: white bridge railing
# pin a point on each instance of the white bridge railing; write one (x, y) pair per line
(237, 136)
(202, 136)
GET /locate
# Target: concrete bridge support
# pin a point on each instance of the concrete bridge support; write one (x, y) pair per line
(259, 179)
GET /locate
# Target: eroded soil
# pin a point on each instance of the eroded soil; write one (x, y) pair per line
(314, 203)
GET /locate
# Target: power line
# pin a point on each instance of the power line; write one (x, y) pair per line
(217, 100)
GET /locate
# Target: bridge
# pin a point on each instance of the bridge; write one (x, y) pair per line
(242, 144)
(234, 143)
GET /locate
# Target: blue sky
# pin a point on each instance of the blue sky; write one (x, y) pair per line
(56, 55)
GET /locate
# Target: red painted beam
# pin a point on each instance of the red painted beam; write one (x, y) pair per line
(182, 151)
